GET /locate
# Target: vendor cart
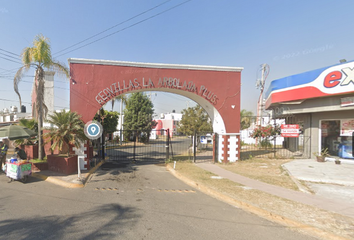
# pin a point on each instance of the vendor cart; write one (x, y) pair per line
(18, 171)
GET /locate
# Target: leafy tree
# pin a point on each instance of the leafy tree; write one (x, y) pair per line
(246, 119)
(30, 124)
(68, 129)
(38, 56)
(109, 120)
(194, 119)
(138, 115)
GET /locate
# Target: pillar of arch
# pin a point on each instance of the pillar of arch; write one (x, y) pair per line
(215, 88)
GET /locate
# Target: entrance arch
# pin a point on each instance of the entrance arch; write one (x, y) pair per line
(216, 89)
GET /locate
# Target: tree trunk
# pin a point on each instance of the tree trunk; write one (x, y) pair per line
(40, 102)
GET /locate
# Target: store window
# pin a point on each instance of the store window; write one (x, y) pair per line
(336, 136)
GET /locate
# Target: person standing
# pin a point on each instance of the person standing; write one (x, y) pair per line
(3, 151)
(21, 154)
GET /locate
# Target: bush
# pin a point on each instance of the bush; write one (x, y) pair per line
(265, 143)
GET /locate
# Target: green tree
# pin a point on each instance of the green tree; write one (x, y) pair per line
(30, 124)
(246, 119)
(194, 119)
(39, 56)
(68, 129)
(138, 115)
(109, 120)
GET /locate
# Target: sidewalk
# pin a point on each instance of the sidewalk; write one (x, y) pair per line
(307, 170)
(68, 181)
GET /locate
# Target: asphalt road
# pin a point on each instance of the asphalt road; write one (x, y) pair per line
(124, 201)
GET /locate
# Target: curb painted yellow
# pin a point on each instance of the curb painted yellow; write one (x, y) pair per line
(311, 230)
(62, 183)
(57, 181)
(92, 170)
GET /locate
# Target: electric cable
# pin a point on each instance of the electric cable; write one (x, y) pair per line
(125, 28)
(95, 35)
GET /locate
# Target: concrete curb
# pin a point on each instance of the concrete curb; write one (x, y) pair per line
(301, 187)
(311, 230)
(92, 170)
(62, 183)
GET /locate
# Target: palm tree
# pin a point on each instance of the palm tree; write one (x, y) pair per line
(39, 56)
(68, 129)
(123, 100)
(246, 117)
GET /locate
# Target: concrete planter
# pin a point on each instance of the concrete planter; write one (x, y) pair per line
(62, 164)
(39, 166)
(320, 158)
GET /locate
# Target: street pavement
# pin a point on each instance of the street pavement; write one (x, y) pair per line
(332, 184)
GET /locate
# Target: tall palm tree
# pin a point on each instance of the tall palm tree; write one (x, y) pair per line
(123, 100)
(246, 119)
(39, 56)
(68, 129)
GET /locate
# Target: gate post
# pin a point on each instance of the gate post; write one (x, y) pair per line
(134, 133)
(275, 140)
(215, 148)
(195, 146)
(168, 144)
(352, 141)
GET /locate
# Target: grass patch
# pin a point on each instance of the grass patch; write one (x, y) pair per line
(328, 221)
(36, 160)
(266, 170)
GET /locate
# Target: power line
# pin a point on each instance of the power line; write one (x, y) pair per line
(95, 35)
(11, 60)
(16, 58)
(130, 26)
(9, 52)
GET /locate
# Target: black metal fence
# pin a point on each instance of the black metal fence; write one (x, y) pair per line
(274, 147)
(160, 145)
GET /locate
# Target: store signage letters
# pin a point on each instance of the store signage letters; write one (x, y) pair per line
(167, 82)
(334, 78)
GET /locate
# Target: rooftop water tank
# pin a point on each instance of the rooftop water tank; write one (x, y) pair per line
(23, 108)
(6, 110)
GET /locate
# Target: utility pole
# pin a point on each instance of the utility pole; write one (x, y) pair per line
(260, 84)
(121, 123)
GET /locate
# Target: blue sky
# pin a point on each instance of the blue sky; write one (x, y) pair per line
(290, 36)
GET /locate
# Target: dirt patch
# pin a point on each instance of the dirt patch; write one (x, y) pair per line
(310, 216)
(265, 170)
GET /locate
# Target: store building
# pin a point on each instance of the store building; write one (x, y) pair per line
(321, 102)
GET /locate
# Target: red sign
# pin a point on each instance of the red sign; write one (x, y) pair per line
(290, 130)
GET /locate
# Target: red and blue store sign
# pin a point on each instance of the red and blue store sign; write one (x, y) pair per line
(338, 79)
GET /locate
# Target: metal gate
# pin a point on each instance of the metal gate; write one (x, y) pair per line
(159, 146)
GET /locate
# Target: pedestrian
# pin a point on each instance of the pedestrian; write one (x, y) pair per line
(3, 151)
(21, 154)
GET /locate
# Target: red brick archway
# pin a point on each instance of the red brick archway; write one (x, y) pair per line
(216, 89)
